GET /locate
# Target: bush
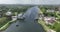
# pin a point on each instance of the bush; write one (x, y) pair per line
(3, 21)
(57, 27)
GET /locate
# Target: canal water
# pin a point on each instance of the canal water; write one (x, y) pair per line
(28, 24)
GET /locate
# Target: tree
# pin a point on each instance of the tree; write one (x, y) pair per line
(57, 27)
(43, 9)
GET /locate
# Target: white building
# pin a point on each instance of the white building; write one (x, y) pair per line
(50, 30)
(41, 16)
(49, 20)
(50, 10)
(14, 18)
(8, 13)
(20, 16)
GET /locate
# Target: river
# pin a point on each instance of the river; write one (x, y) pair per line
(28, 24)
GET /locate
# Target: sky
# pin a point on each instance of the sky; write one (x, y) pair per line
(30, 2)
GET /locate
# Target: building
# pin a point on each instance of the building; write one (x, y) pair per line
(51, 10)
(41, 16)
(14, 18)
(9, 15)
(50, 30)
(49, 20)
(20, 16)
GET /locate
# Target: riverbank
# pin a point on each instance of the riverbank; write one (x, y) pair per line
(6, 25)
(43, 25)
(46, 28)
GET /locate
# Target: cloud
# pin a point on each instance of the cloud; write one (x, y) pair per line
(29, 1)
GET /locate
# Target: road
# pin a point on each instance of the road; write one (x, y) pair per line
(28, 24)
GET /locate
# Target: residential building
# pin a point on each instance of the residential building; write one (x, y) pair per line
(14, 18)
(49, 20)
(9, 15)
(50, 10)
(50, 30)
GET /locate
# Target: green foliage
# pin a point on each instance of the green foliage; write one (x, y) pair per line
(3, 21)
(57, 15)
(57, 27)
(43, 9)
(14, 8)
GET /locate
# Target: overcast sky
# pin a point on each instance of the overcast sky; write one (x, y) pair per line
(29, 1)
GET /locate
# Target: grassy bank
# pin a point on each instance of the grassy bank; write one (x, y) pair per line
(3, 21)
(6, 25)
(43, 24)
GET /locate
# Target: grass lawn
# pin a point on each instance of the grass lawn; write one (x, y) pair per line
(6, 25)
(55, 27)
(3, 21)
(43, 24)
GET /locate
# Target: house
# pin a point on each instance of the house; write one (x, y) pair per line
(50, 30)
(14, 18)
(20, 16)
(49, 20)
(50, 10)
(41, 16)
(9, 15)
